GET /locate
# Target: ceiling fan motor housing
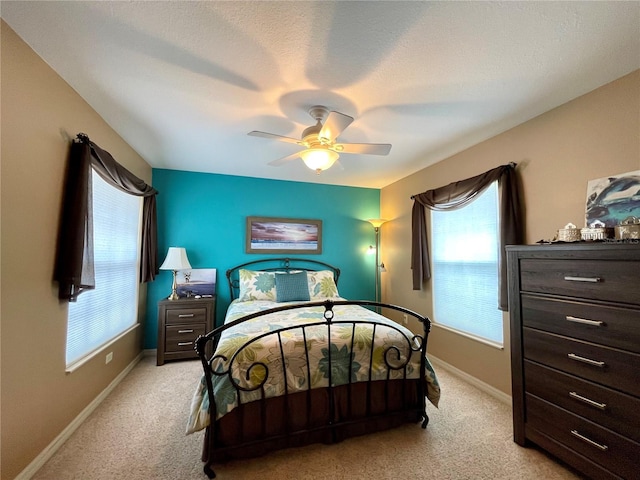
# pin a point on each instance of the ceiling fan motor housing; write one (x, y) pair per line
(310, 134)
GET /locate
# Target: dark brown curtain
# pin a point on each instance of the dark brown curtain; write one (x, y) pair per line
(74, 270)
(457, 195)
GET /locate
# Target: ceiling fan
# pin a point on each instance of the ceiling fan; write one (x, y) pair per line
(321, 148)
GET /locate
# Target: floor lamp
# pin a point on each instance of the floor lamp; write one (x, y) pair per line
(376, 222)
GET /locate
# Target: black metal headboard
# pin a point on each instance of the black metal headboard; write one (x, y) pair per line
(277, 265)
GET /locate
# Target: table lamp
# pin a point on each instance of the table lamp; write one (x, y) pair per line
(176, 260)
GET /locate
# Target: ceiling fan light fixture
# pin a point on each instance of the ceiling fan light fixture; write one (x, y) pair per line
(319, 159)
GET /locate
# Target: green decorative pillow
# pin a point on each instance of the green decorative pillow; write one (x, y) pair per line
(292, 287)
(257, 285)
(322, 285)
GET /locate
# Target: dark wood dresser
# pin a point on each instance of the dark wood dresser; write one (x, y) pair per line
(575, 353)
(180, 322)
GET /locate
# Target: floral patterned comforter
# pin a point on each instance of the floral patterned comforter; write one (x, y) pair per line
(300, 371)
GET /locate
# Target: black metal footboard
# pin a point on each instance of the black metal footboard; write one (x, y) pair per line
(338, 410)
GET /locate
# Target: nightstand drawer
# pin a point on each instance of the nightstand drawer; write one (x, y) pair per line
(606, 325)
(615, 281)
(609, 408)
(182, 337)
(608, 366)
(612, 451)
(187, 315)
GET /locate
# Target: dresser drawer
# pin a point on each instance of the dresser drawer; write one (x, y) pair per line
(607, 280)
(608, 366)
(609, 408)
(187, 315)
(182, 337)
(617, 327)
(612, 451)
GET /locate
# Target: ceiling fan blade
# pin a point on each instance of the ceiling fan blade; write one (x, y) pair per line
(273, 136)
(334, 125)
(366, 148)
(283, 160)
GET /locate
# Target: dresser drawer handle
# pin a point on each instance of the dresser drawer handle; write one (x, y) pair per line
(588, 361)
(597, 323)
(575, 433)
(182, 344)
(583, 279)
(186, 315)
(588, 401)
(185, 331)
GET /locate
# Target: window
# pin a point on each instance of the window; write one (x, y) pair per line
(102, 314)
(465, 268)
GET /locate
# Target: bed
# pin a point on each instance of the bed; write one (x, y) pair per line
(294, 364)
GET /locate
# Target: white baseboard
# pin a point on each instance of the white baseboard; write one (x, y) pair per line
(485, 387)
(57, 442)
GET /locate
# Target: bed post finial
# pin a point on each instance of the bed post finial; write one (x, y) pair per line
(328, 310)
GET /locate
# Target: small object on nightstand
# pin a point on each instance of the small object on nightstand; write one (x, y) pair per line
(180, 323)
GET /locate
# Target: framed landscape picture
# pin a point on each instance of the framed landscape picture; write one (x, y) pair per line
(283, 235)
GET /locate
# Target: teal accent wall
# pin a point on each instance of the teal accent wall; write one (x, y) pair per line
(206, 214)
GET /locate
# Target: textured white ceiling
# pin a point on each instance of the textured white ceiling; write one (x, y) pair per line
(184, 82)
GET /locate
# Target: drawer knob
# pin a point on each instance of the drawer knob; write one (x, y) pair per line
(595, 323)
(582, 279)
(185, 315)
(588, 401)
(185, 331)
(599, 446)
(586, 360)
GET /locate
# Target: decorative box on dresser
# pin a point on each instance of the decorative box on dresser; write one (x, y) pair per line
(180, 322)
(575, 353)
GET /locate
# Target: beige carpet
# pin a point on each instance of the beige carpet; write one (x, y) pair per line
(138, 433)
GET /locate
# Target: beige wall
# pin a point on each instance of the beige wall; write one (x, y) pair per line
(40, 112)
(593, 136)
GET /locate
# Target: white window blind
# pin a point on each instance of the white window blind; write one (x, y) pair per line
(111, 308)
(465, 267)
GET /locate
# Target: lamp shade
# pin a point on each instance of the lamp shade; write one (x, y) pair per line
(176, 259)
(376, 222)
(318, 159)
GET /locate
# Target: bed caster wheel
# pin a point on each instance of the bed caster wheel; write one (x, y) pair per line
(209, 471)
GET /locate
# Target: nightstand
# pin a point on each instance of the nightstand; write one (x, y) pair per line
(180, 322)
